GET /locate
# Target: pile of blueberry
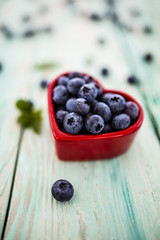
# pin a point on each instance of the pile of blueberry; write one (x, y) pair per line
(81, 107)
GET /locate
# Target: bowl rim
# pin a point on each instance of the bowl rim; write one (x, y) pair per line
(61, 136)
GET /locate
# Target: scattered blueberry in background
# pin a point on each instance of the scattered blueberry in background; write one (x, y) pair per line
(101, 41)
(148, 57)
(135, 12)
(29, 33)
(62, 190)
(1, 67)
(95, 17)
(132, 79)
(147, 29)
(44, 84)
(104, 72)
(6, 31)
(26, 18)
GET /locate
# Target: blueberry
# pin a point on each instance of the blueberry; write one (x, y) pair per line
(120, 122)
(1, 66)
(107, 128)
(148, 57)
(95, 17)
(100, 91)
(63, 81)
(88, 79)
(74, 85)
(147, 29)
(44, 84)
(81, 106)
(75, 75)
(62, 190)
(103, 110)
(29, 33)
(132, 110)
(60, 116)
(26, 18)
(93, 106)
(88, 92)
(116, 102)
(6, 31)
(132, 79)
(69, 104)
(73, 123)
(101, 41)
(94, 124)
(60, 94)
(104, 72)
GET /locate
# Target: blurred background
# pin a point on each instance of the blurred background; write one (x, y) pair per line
(117, 41)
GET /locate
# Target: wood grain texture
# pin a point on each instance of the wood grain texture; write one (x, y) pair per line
(116, 199)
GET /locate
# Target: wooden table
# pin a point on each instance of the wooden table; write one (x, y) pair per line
(116, 199)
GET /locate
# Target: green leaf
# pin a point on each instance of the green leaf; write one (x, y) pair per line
(46, 66)
(29, 117)
(24, 105)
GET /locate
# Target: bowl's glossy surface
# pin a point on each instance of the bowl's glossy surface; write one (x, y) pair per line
(90, 147)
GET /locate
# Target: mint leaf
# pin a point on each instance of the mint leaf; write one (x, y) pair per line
(29, 117)
(24, 105)
(46, 66)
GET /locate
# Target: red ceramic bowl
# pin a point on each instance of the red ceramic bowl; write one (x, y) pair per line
(90, 147)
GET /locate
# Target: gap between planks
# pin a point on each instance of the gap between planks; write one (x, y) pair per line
(12, 182)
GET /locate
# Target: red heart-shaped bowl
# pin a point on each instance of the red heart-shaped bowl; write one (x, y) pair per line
(90, 147)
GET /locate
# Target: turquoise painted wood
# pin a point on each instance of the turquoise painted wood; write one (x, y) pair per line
(116, 199)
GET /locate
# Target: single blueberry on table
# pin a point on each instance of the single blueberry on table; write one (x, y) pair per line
(103, 110)
(116, 102)
(81, 106)
(88, 92)
(62, 190)
(60, 116)
(94, 124)
(132, 110)
(60, 94)
(63, 80)
(44, 84)
(104, 72)
(6, 31)
(74, 85)
(73, 123)
(26, 18)
(75, 75)
(69, 104)
(132, 79)
(120, 122)
(107, 128)
(148, 57)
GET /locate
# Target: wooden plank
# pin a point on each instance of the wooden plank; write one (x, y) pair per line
(116, 199)
(136, 44)
(8, 128)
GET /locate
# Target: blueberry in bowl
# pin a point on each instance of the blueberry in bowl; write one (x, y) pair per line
(89, 122)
